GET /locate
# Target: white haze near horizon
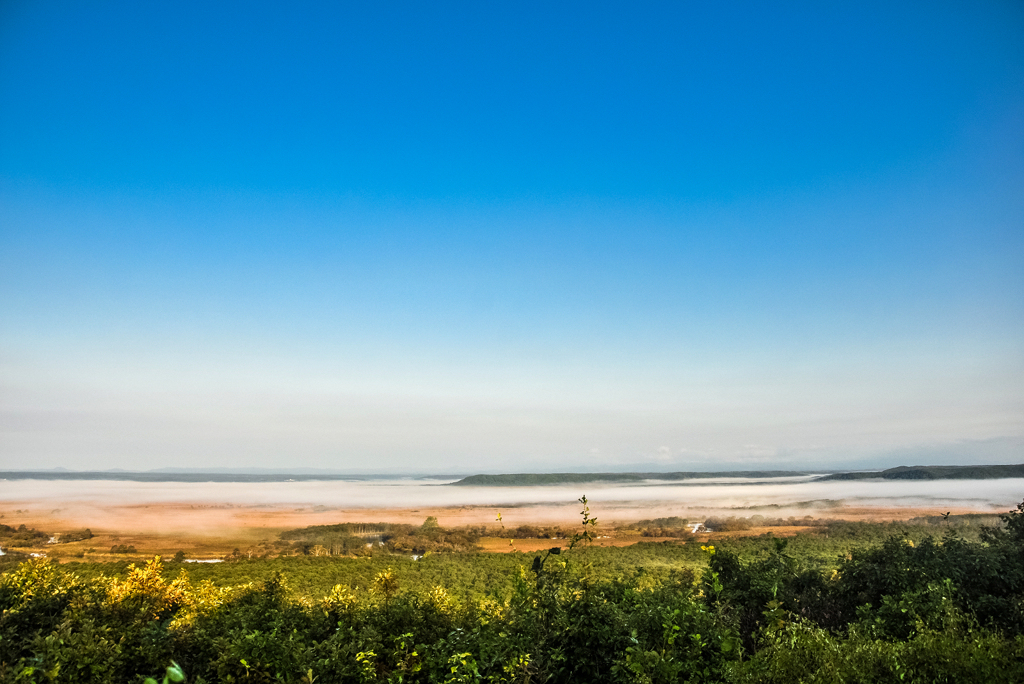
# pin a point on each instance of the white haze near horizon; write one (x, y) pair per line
(743, 495)
(648, 409)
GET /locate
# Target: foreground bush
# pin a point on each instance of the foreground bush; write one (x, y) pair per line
(946, 611)
(804, 654)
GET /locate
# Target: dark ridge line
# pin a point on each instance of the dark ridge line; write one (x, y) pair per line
(181, 477)
(983, 472)
(531, 479)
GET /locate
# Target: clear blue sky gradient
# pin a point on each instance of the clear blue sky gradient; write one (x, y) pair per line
(469, 237)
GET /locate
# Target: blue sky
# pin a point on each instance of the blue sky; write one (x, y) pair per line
(511, 237)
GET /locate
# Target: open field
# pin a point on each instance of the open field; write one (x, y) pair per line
(217, 532)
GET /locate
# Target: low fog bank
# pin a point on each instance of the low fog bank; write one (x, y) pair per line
(739, 495)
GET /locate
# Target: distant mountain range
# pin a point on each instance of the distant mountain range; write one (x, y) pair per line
(184, 475)
(974, 472)
(253, 471)
(985, 472)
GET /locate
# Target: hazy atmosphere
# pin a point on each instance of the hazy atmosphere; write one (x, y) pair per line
(464, 238)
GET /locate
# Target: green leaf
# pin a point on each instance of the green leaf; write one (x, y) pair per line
(175, 673)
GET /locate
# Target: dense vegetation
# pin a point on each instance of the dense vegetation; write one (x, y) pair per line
(360, 539)
(21, 536)
(813, 609)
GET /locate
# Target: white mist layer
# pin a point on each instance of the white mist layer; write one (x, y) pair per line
(742, 495)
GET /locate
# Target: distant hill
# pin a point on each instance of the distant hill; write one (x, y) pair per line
(152, 476)
(290, 472)
(532, 479)
(982, 472)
